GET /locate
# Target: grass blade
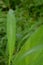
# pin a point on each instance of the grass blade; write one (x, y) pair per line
(11, 33)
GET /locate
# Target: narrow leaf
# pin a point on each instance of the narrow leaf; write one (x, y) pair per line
(11, 33)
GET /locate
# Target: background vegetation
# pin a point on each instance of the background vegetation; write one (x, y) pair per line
(29, 18)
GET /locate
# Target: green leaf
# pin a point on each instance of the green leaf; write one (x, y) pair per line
(32, 51)
(11, 33)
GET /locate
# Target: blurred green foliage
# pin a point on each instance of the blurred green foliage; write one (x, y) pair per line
(29, 16)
